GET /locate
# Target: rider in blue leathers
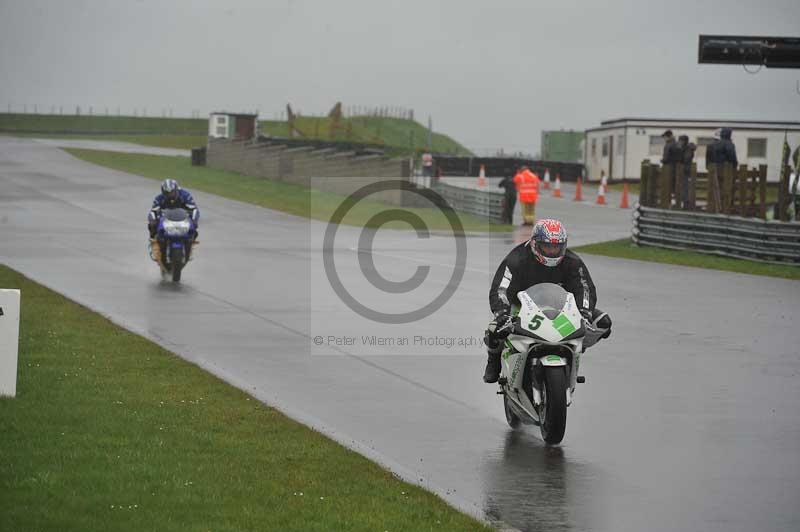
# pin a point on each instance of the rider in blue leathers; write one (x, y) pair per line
(172, 197)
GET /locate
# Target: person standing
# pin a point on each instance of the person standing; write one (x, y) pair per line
(726, 149)
(527, 184)
(427, 164)
(687, 150)
(671, 153)
(509, 199)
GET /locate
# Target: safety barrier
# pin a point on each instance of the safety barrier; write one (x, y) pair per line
(484, 203)
(719, 234)
(503, 166)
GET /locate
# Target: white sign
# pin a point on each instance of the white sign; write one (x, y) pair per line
(9, 341)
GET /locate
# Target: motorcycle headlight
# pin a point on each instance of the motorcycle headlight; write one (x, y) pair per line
(177, 228)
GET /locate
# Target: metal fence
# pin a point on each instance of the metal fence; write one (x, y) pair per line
(483, 203)
(719, 234)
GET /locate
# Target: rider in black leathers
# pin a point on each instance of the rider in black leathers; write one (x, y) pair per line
(542, 259)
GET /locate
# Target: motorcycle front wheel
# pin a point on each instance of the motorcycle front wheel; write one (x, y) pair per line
(511, 417)
(553, 410)
(176, 263)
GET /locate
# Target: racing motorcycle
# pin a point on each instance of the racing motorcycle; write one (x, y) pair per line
(541, 359)
(176, 232)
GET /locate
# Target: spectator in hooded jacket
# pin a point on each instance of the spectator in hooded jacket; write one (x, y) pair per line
(711, 150)
(722, 150)
(727, 149)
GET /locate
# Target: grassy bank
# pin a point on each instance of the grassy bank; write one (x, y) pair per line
(286, 197)
(624, 249)
(111, 432)
(401, 134)
(397, 135)
(85, 124)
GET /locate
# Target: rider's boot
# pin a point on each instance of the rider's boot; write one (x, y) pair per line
(494, 348)
(155, 250)
(492, 373)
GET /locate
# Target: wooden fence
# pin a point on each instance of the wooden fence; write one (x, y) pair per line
(723, 189)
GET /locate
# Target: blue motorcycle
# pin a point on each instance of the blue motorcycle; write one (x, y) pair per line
(176, 234)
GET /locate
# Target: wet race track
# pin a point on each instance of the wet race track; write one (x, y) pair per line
(689, 419)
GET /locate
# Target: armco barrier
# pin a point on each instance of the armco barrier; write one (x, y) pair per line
(483, 203)
(734, 236)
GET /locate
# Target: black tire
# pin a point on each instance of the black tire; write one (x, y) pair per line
(511, 417)
(553, 411)
(176, 263)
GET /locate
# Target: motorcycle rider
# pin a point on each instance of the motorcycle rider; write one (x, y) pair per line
(542, 259)
(172, 197)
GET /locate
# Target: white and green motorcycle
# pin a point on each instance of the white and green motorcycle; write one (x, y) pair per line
(541, 359)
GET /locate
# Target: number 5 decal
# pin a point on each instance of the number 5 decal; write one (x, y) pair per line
(536, 322)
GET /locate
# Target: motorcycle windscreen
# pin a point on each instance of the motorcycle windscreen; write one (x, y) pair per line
(549, 297)
(175, 215)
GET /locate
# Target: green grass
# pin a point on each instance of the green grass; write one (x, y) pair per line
(624, 249)
(111, 432)
(286, 197)
(85, 124)
(397, 135)
(402, 135)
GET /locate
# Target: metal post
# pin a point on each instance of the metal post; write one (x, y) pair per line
(9, 341)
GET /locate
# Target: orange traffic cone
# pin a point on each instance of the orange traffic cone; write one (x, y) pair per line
(624, 203)
(547, 179)
(482, 177)
(579, 191)
(557, 187)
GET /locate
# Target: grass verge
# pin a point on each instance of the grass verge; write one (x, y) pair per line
(624, 249)
(287, 197)
(111, 432)
(398, 136)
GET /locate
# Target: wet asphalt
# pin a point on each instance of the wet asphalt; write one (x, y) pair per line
(689, 419)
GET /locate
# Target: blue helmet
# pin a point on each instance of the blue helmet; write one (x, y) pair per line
(170, 188)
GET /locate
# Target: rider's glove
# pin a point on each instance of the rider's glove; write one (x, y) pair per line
(587, 315)
(503, 324)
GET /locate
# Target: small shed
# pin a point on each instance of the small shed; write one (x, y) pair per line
(233, 126)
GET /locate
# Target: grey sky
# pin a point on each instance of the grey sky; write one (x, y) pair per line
(491, 74)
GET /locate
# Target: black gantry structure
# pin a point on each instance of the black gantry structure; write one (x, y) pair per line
(771, 52)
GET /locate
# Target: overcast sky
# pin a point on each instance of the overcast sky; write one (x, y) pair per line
(491, 74)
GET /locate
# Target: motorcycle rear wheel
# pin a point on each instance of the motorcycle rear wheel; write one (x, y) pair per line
(553, 410)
